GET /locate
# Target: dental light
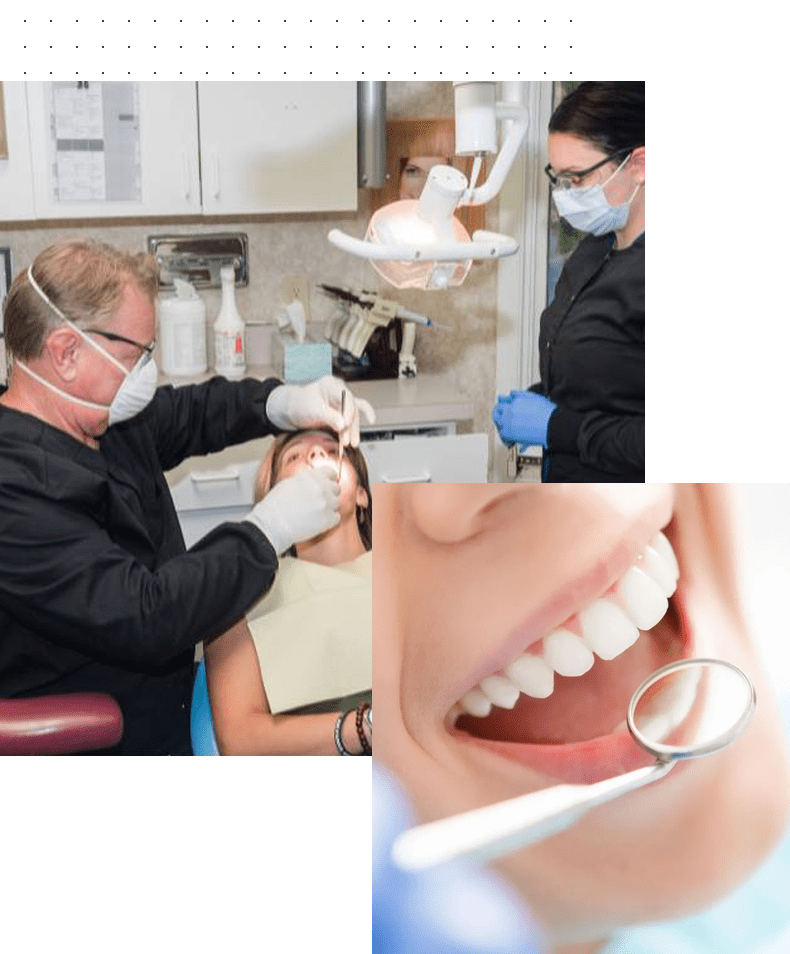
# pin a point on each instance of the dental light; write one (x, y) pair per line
(420, 243)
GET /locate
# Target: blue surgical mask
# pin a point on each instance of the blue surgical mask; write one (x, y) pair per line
(589, 210)
(135, 391)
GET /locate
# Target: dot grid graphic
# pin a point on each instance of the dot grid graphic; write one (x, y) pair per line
(349, 42)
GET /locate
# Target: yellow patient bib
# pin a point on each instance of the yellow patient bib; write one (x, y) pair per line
(313, 632)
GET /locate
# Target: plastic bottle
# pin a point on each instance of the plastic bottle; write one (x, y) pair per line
(182, 331)
(229, 330)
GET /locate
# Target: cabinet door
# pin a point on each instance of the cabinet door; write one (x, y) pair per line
(114, 149)
(455, 459)
(16, 175)
(278, 147)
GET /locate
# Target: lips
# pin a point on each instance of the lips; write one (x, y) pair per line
(558, 705)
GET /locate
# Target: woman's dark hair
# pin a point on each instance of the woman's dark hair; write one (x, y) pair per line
(353, 455)
(611, 116)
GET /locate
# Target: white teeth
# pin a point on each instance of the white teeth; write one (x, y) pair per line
(566, 653)
(663, 547)
(500, 691)
(657, 567)
(606, 629)
(533, 676)
(643, 598)
(476, 703)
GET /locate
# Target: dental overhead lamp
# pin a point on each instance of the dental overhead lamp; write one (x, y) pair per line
(420, 243)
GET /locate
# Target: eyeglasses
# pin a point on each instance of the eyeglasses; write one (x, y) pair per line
(568, 180)
(147, 350)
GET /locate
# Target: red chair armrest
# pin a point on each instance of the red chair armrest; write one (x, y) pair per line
(59, 725)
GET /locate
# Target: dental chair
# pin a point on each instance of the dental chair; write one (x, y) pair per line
(59, 725)
(201, 724)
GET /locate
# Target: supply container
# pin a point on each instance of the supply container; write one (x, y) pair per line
(182, 331)
(229, 351)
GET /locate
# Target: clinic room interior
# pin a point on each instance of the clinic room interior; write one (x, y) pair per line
(483, 336)
(450, 276)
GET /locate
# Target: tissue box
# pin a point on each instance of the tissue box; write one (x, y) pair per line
(305, 361)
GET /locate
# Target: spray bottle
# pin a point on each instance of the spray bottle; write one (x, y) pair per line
(229, 330)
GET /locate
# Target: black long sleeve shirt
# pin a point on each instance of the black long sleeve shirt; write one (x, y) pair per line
(97, 589)
(592, 365)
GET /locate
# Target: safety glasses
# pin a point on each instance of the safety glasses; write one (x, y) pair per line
(569, 180)
(147, 350)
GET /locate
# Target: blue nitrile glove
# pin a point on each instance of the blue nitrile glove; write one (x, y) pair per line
(522, 417)
(452, 909)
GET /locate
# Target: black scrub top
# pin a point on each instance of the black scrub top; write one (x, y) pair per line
(592, 365)
(97, 589)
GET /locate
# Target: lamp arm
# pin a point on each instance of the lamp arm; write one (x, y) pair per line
(484, 245)
(504, 160)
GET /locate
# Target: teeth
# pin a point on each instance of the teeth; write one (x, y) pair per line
(663, 548)
(533, 676)
(657, 567)
(566, 653)
(644, 600)
(607, 630)
(476, 703)
(500, 691)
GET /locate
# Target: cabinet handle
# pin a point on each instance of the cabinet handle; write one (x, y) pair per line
(215, 476)
(424, 478)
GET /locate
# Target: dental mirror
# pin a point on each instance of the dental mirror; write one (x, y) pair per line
(685, 710)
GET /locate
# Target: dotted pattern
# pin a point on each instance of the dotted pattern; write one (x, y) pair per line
(56, 44)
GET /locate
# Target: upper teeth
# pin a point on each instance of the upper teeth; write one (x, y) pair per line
(608, 627)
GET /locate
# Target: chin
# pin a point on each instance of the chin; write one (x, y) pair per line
(540, 696)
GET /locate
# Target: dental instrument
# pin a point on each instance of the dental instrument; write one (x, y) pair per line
(340, 439)
(684, 710)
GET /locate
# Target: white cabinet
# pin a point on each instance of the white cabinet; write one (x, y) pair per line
(451, 459)
(129, 149)
(209, 490)
(114, 149)
(271, 147)
(16, 173)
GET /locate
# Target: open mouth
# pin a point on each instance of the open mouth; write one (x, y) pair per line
(559, 705)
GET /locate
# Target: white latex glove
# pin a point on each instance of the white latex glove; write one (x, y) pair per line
(292, 407)
(298, 508)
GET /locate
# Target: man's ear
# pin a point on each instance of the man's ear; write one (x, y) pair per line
(638, 160)
(62, 347)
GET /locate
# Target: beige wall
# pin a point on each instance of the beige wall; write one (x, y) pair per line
(283, 245)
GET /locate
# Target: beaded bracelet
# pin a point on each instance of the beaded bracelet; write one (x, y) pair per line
(342, 750)
(366, 748)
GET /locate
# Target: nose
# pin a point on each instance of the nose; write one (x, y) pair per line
(451, 513)
(316, 452)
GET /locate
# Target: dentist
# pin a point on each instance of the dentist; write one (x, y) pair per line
(588, 409)
(97, 589)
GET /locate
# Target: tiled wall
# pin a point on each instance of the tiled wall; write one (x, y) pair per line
(283, 245)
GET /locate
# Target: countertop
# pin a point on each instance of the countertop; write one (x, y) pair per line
(424, 399)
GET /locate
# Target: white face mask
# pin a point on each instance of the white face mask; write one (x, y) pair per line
(136, 390)
(589, 210)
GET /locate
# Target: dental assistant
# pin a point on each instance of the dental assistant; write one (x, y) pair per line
(587, 410)
(97, 589)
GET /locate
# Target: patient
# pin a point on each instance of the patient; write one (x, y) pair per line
(470, 581)
(281, 680)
